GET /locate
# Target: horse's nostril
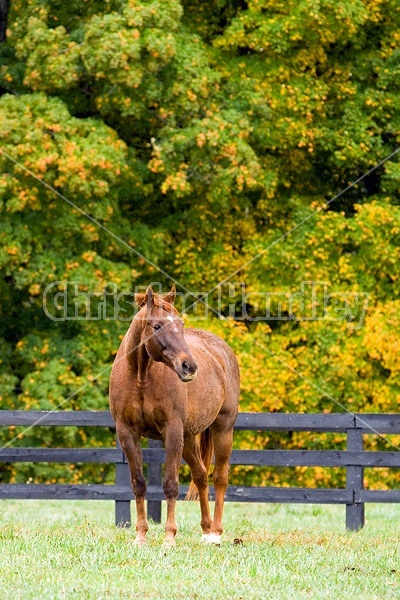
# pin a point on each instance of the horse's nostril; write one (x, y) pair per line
(185, 367)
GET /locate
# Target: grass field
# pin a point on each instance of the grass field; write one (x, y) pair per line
(72, 550)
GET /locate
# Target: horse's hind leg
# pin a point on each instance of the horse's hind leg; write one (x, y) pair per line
(130, 443)
(222, 450)
(192, 455)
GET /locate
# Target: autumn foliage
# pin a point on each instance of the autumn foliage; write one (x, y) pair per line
(197, 134)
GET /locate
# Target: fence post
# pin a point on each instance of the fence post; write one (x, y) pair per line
(154, 478)
(355, 512)
(122, 507)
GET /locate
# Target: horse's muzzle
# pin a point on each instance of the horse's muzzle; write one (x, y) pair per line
(187, 378)
(187, 370)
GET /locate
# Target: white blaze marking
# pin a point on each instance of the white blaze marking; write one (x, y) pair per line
(172, 320)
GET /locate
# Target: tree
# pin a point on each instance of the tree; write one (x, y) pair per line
(199, 133)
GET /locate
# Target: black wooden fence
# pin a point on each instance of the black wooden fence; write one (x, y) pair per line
(354, 460)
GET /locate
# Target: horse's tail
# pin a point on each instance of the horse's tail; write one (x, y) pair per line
(206, 450)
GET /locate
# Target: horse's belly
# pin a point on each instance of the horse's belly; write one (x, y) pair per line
(204, 403)
(205, 394)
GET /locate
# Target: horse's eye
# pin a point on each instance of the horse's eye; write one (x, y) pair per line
(156, 326)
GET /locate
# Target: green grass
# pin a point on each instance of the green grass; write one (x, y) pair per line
(72, 550)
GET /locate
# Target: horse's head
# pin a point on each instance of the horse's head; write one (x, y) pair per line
(163, 334)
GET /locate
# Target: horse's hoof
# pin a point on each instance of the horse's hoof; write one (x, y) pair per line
(169, 544)
(139, 541)
(211, 538)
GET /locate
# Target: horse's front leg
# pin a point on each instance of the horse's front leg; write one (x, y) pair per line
(130, 443)
(173, 449)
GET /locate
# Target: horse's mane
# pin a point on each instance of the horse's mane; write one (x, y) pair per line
(199, 332)
(158, 300)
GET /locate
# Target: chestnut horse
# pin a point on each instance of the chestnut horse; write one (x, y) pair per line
(182, 387)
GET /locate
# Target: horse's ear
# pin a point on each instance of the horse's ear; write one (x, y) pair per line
(149, 297)
(170, 297)
(140, 299)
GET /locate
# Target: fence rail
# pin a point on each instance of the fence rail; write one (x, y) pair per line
(354, 460)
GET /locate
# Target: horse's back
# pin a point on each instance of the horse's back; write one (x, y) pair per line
(214, 344)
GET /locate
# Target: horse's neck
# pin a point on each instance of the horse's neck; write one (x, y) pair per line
(136, 352)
